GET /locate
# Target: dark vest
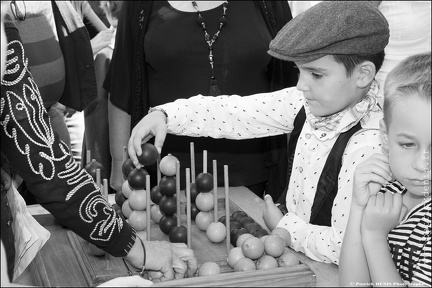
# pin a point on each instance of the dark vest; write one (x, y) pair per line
(327, 187)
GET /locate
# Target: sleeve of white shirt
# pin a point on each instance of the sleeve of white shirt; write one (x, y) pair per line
(323, 243)
(234, 117)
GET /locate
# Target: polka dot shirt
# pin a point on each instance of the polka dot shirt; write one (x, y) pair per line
(267, 114)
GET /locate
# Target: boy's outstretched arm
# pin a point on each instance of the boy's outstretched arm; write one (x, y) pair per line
(368, 178)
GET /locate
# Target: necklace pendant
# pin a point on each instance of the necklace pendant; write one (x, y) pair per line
(214, 88)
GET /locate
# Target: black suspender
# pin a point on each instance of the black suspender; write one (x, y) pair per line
(328, 182)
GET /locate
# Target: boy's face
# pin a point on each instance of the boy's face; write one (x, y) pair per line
(408, 138)
(326, 86)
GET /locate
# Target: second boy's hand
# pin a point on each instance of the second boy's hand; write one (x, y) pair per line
(155, 125)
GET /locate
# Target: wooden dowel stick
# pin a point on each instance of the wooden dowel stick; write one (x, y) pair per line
(148, 206)
(159, 176)
(98, 178)
(192, 155)
(215, 194)
(125, 154)
(178, 193)
(88, 159)
(188, 209)
(105, 189)
(227, 210)
(204, 161)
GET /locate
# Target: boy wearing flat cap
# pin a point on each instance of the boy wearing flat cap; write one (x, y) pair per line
(332, 115)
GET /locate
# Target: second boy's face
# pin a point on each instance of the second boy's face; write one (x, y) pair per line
(409, 144)
(326, 86)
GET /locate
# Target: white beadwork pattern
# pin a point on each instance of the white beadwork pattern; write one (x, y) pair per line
(29, 105)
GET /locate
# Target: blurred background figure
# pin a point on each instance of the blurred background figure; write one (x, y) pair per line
(410, 33)
(96, 135)
(164, 56)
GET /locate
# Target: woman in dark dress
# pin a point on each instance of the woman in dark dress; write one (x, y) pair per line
(164, 56)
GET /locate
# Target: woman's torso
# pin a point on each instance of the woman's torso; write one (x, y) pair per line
(177, 66)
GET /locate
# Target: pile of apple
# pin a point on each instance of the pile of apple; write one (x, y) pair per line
(255, 248)
(132, 198)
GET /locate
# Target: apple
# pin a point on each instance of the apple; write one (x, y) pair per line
(167, 185)
(126, 189)
(260, 233)
(203, 220)
(204, 182)
(155, 213)
(237, 215)
(216, 232)
(235, 234)
(138, 220)
(252, 227)
(127, 167)
(243, 221)
(167, 165)
(155, 194)
(167, 222)
(208, 269)
(126, 210)
(193, 192)
(149, 154)
(119, 198)
(168, 205)
(137, 178)
(205, 201)
(138, 200)
(178, 234)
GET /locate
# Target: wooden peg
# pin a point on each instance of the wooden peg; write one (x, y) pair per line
(98, 178)
(105, 189)
(178, 193)
(192, 155)
(159, 176)
(227, 210)
(204, 161)
(148, 209)
(215, 193)
(188, 209)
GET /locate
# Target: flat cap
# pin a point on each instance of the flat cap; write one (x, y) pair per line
(330, 28)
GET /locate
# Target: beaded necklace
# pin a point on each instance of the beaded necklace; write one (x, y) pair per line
(214, 88)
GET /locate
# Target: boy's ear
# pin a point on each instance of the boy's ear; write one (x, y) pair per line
(366, 74)
(384, 137)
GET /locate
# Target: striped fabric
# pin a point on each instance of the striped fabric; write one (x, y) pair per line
(42, 48)
(410, 241)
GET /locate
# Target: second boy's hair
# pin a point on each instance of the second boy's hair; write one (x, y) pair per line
(351, 61)
(410, 77)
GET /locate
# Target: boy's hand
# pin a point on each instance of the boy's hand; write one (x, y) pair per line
(369, 176)
(153, 124)
(381, 214)
(271, 215)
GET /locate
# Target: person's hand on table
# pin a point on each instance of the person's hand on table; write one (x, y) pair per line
(127, 281)
(272, 214)
(164, 260)
(167, 261)
(153, 124)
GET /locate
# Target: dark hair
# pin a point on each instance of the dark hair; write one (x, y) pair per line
(351, 61)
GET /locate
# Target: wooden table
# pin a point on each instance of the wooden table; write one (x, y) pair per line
(60, 262)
